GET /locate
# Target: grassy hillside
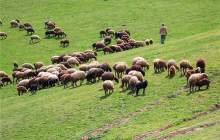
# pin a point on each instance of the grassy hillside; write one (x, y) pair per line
(58, 113)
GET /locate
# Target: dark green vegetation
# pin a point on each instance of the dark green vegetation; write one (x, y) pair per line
(59, 113)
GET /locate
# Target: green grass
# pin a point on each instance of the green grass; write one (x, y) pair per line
(58, 113)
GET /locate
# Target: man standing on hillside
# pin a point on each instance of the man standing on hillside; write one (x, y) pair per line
(163, 33)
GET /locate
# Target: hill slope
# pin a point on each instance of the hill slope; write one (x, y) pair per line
(58, 113)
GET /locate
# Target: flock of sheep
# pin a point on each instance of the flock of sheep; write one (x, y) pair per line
(52, 30)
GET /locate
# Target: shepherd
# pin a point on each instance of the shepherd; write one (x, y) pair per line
(163, 33)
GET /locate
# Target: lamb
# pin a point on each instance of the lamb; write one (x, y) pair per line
(21, 90)
(137, 74)
(203, 82)
(108, 87)
(172, 71)
(78, 76)
(201, 63)
(65, 79)
(194, 78)
(34, 39)
(120, 68)
(3, 35)
(184, 64)
(109, 76)
(125, 81)
(159, 65)
(141, 85)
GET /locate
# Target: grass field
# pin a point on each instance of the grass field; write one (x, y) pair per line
(57, 113)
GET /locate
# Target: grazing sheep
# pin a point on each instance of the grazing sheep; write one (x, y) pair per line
(21, 90)
(3, 35)
(60, 34)
(108, 86)
(189, 72)
(94, 64)
(49, 25)
(107, 40)
(141, 85)
(30, 30)
(49, 33)
(194, 78)
(107, 50)
(141, 61)
(109, 76)
(172, 71)
(3, 74)
(24, 83)
(120, 68)
(132, 83)
(6, 80)
(14, 23)
(64, 43)
(38, 65)
(201, 63)
(21, 27)
(137, 74)
(110, 32)
(203, 82)
(84, 67)
(98, 45)
(27, 25)
(93, 73)
(170, 63)
(27, 65)
(65, 79)
(125, 81)
(136, 68)
(73, 61)
(34, 39)
(105, 67)
(102, 33)
(184, 64)
(57, 29)
(159, 65)
(78, 76)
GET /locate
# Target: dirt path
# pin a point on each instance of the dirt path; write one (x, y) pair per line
(156, 133)
(126, 119)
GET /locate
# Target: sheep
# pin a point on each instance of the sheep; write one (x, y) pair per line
(170, 63)
(119, 41)
(194, 78)
(98, 45)
(189, 72)
(107, 40)
(109, 76)
(139, 44)
(49, 33)
(3, 74)
(60, 34)
(159, 65)
(21, 90)
(34, 39)
(55, 59)
(94, 64)
(102, 33)
(65, 79)
(108, 87)
(52, 80)
(120, 68)
(84, 67)
(29, 30)
(137, 74)
(110, 32)
(203, 82)
(78, 76)
(73, 61)
(172, 71)
(90, 55)
(6, 80)
(141, 85)
(105, 67)
(24, 83)
(184, 64)
(14, 23)
(3, 35)
(137, 59)
(201, 63)
(57, 29)
(64, 43)
(27, 65)
(125, 81)
(93, 73)
(49, 25)
(132, 83)
(18, 75)
(141, 61)
(38, 65)
(107, 50)
(137, 68)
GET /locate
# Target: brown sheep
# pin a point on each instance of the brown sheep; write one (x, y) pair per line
(108, 87)
(14, 23)
(194, 78)
(21, 90)
(120, 68)
(3, 35)
(78, 76)
(125, 81)
(107, 50)
(109, 76)
(137, 74)
(34, 39)
(38, 65)
(170, 63)
(201, 63)
(98, 46)
(132, 83)
(172, 71)
(3, 74)
(105, 67)
(6, 80)
(203, 82)
(27, 65)
(184, 64)
(159, 65)
(24, 83)
(73, 61)
(189, 72)
(64, 43)
(84, 67)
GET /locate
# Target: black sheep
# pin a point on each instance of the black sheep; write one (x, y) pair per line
(141, 85)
